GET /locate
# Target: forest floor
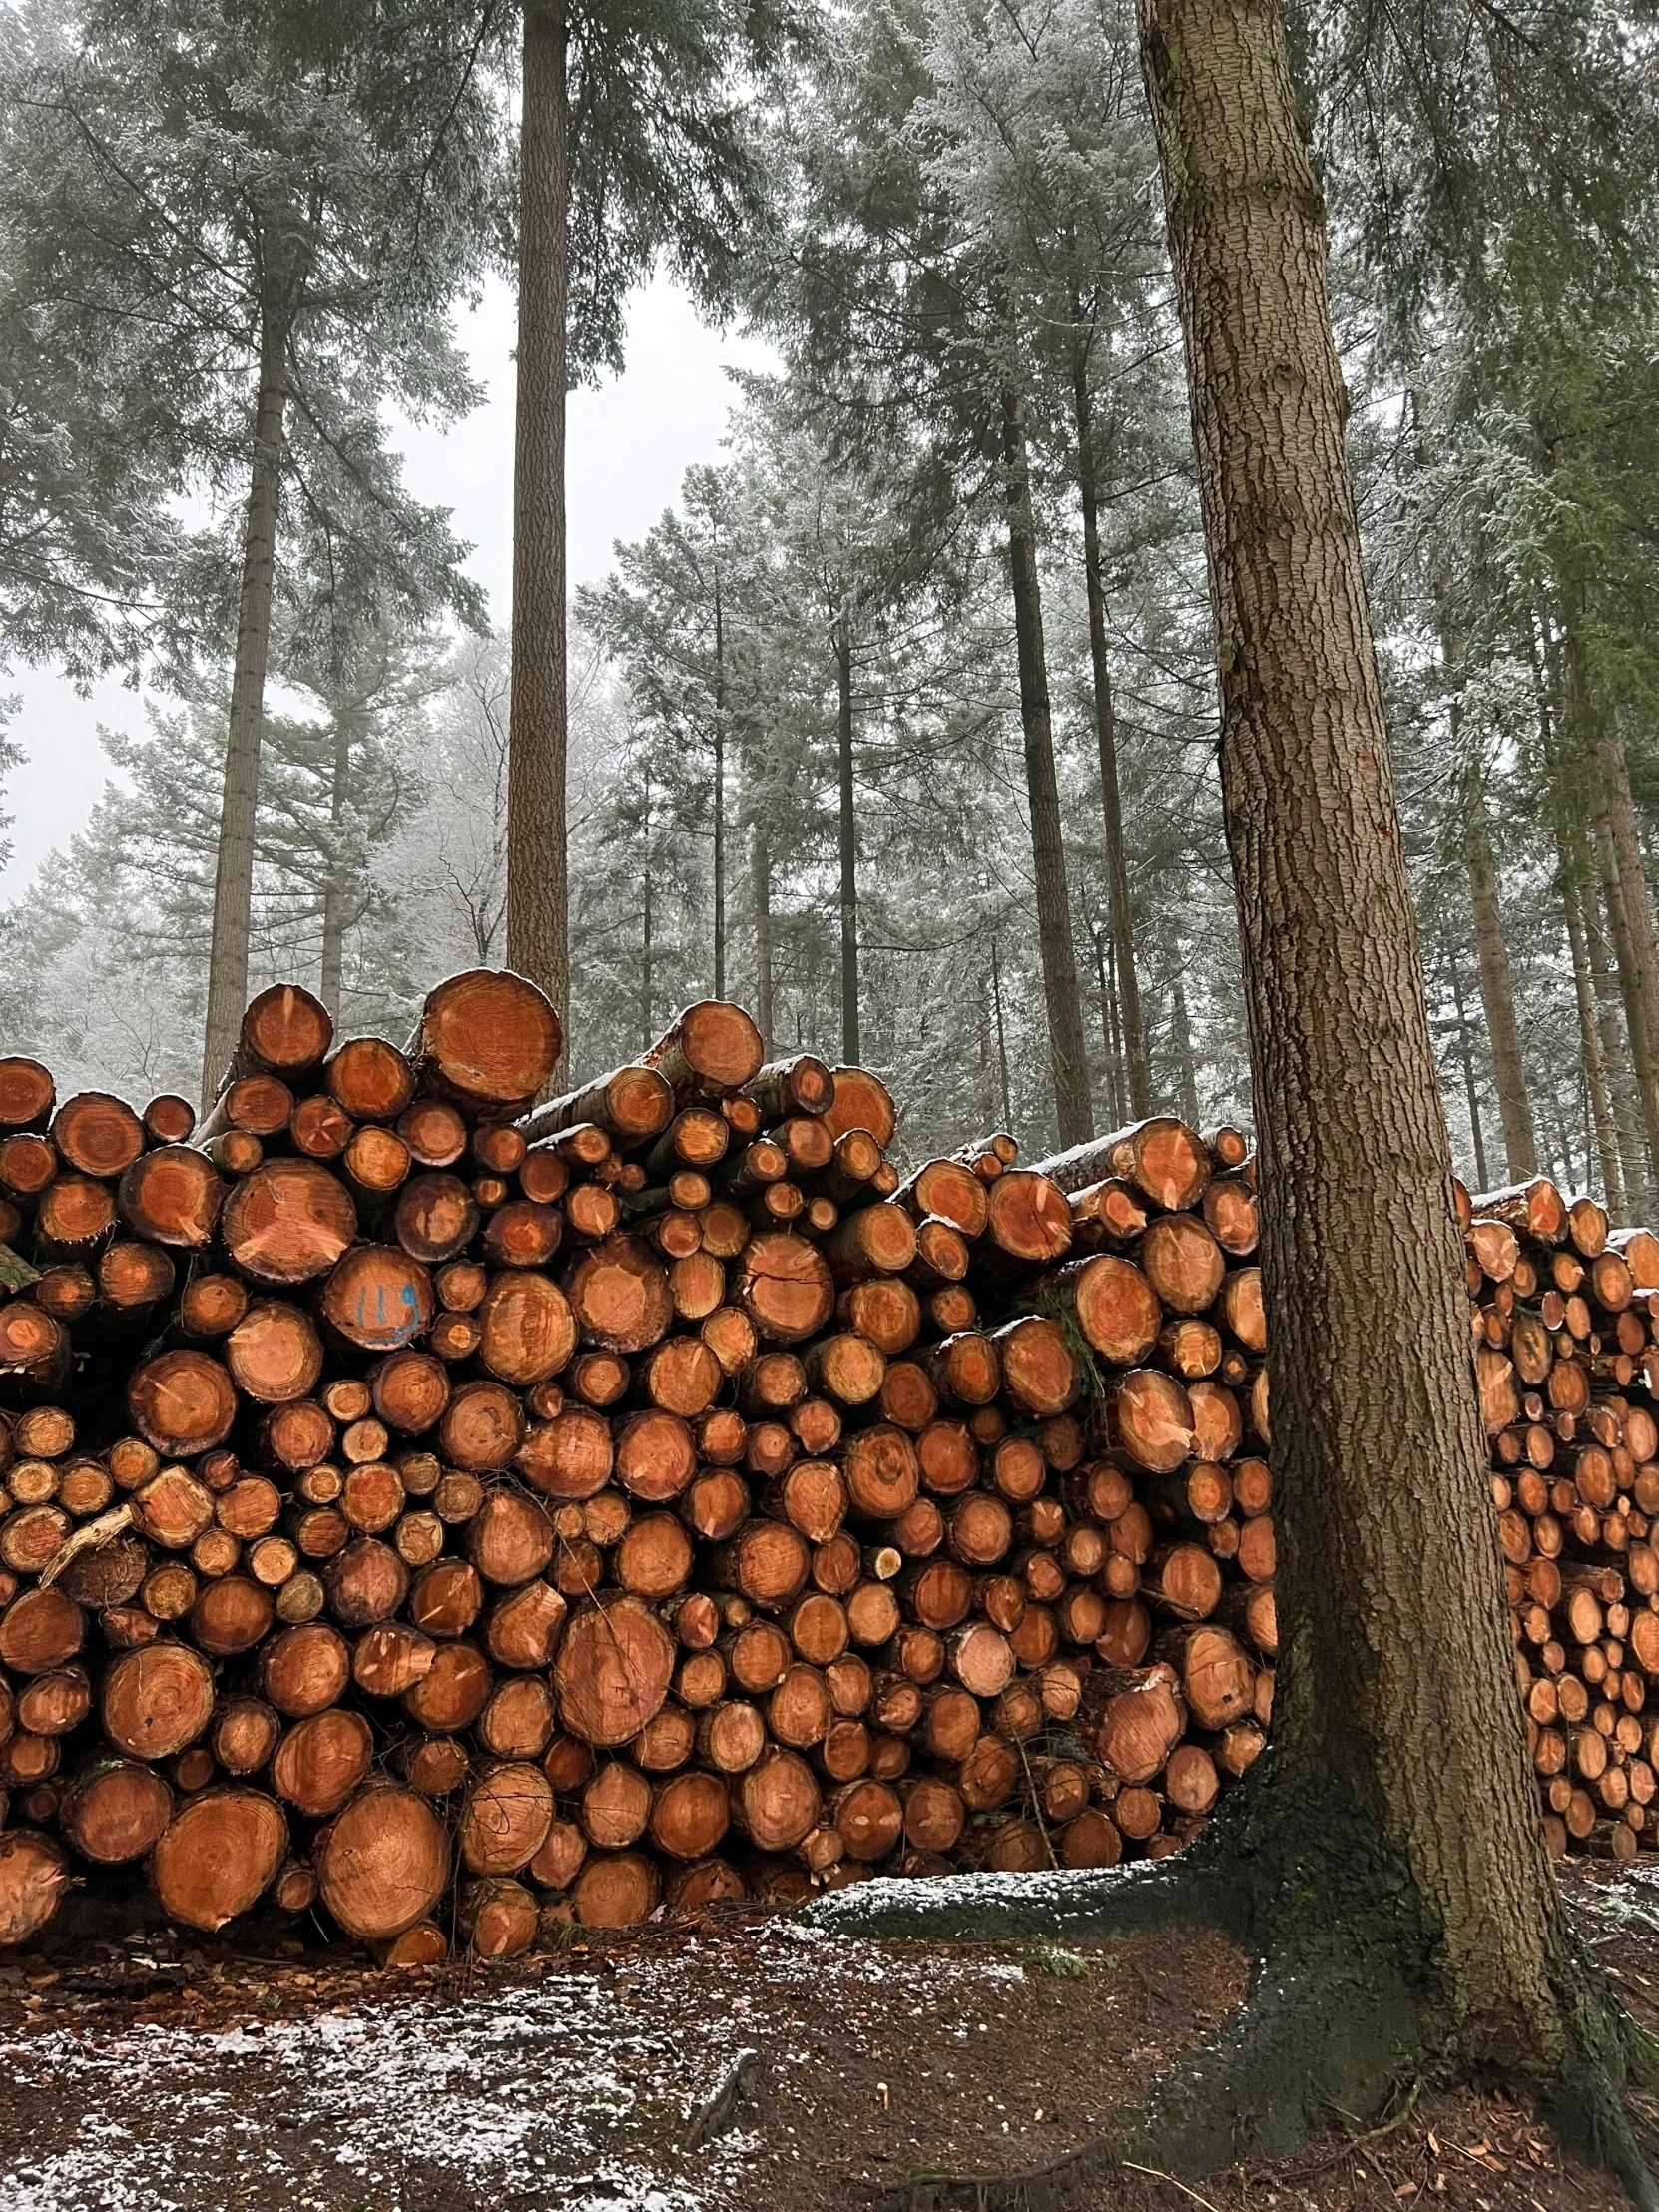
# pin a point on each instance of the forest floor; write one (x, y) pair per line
(168, 2075)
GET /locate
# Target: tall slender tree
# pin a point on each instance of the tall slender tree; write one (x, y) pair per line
(636, 145)
(257, 223)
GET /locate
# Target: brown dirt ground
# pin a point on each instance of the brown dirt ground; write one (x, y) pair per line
(196, 2075)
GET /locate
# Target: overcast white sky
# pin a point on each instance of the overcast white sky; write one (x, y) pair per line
(628, 446)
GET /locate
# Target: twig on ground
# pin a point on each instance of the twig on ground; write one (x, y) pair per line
(714, 2114)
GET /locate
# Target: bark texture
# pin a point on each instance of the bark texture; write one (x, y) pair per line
(1591, 1056)
(1381, 1465)
(234, 881)
(538, 922)
(1111, 807)
(1067, 1058)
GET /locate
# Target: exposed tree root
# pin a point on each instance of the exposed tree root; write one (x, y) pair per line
(1342, 2014)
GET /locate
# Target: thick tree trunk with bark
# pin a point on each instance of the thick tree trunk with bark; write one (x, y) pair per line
(1067, 1058)
(1496, 994)
(538, 924)
(1334, 984)
(233, 881)
(1386, 1861)
(1105, 716)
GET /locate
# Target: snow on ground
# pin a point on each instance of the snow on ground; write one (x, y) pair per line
(575, 2090)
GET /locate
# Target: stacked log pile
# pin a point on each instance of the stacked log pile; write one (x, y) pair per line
(1563, 1317)
(448, 1510)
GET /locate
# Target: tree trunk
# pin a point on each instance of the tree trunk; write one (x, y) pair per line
(1105, 716)
(1067, 1059)
(648, 1022)
(1465, 1053)
(1109, 1030)
(1631, 913)
(1001, 1037)
(1615, 1054)
(1590, 1054)
(1180, 1036)
(848, 845)
(538, 925)
(720, 797)
(1515, 1107)
(338, 877)
(1333, 987)
(760, 861)
(234, 879)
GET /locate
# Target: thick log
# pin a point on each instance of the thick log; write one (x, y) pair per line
(487, 1040)
(171, 1196)
(35, 1878)
(783, 1284)
(861, 1100)
(383, 1863)
(287, 1222)
(1165, 1161)
(115, 1809)
(219, 1856)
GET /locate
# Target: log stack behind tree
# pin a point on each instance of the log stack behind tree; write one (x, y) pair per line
(651, 1495)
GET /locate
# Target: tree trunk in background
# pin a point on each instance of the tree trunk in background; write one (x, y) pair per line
(538, 919)
(1109, 1032)
(1067, 1058)
(1380, 1454)
(1105, 718)
(1181, 1035)
(648, 1023)
(234, 877)
(338, 880)
(1001, 1037)
(1626, 964)
(1496, 994)
(1590, 1054)
(1631, 913)
(760, 862)
(720, 797)
(848, 844)
(1615, 1047)
(1465, 1053)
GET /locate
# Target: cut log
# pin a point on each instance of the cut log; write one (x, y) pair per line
(1039, 1367)
(287, 1222)
(506, 1819)
(219, 1856)
(619, 1296)
(274, 1353)
(321, 1760)
(783, 1284)
(435, 1219)
(1027, 1219)
(1183, 1263)
(1165, 1161)
(487, 1040)
(369, 1079)
(171, 1196)
(383, 1863)
(98, 1135)
(612, 1671)
(115, 1809)
(616, 1889)
(35, 1878)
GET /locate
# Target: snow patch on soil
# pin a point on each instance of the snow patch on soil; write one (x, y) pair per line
(581, 2081)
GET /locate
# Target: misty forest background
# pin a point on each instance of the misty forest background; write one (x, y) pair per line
(804, 710)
